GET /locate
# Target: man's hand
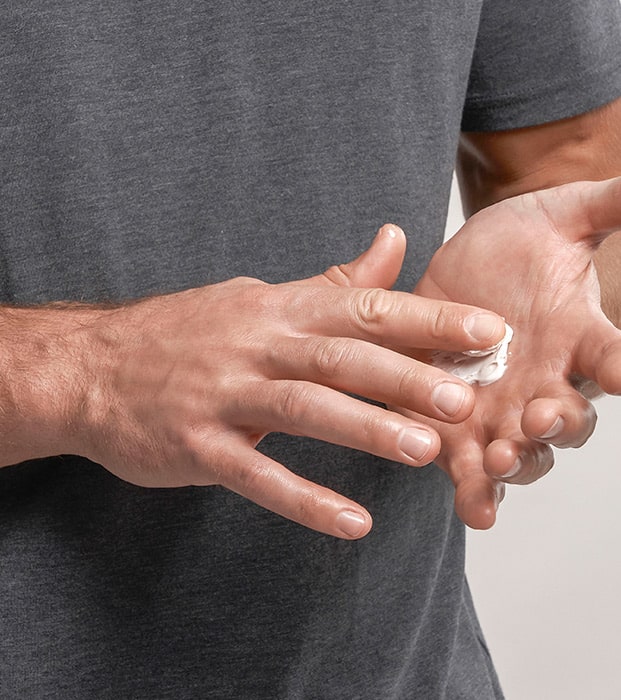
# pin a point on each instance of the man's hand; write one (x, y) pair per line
(179, 389)
(530, 259)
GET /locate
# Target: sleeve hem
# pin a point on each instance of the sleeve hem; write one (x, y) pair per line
(542, 104)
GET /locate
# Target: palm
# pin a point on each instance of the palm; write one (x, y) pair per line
(529, 259)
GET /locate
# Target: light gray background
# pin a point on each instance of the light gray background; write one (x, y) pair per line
(547, 578)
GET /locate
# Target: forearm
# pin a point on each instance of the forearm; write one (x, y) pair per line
(177, 390)
(493, 166)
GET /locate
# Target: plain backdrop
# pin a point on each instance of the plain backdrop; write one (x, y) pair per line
(547, 578)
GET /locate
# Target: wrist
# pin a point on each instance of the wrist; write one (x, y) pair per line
(46, 380)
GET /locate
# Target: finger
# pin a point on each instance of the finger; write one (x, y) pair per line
(517, 460)
(269, 484)
(584, 211)
(378, 266)
(513, 457)
(396, 319)
(477, 496)
(377, 373)
(598, 355)
(302, 408)
(559, 416)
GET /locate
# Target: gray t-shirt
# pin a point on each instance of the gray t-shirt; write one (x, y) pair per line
(149, 146)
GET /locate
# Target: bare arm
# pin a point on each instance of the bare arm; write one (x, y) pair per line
(532, 258)
(45, 381)
(496, 165)
(178, 390)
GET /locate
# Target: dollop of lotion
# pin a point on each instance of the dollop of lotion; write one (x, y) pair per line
(480, 367)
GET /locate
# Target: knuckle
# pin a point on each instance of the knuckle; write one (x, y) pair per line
(339, 275)
(584, 430)
(374, 307)
(241, 281)
(408, 385)
(536, 463)
(256, 296)
(250, 478)
(375, 427)
(308, 506)
(295, 404)
(246, 291)
(212, 451)
(587, 388)
(331, 358)
(443, 325)
(590, 421)
(204, 456)
(250, 298)
(545, 461)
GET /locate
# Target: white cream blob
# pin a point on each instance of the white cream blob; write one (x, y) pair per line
(476, 366)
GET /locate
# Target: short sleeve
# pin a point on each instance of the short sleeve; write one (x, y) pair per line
(537, 61)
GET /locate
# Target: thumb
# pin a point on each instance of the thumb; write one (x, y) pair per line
(378, 266)
(584, 211)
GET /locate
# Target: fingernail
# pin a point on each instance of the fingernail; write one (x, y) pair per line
(481, 326)
(517, 465)
(415, 442)
(351, 523)
(555, 429)
(449, 397)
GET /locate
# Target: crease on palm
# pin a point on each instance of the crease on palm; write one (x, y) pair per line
(544, 283)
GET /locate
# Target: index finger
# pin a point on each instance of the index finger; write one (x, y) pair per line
(396, 319)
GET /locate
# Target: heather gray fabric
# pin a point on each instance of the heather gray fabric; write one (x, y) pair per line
(537, 62)
(148, 146)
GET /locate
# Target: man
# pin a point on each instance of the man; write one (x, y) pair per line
(151, 148)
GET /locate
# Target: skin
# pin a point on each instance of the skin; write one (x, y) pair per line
(568, 238)
(139, 388)
(494, 166)
(532, 257)
(178, 390)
